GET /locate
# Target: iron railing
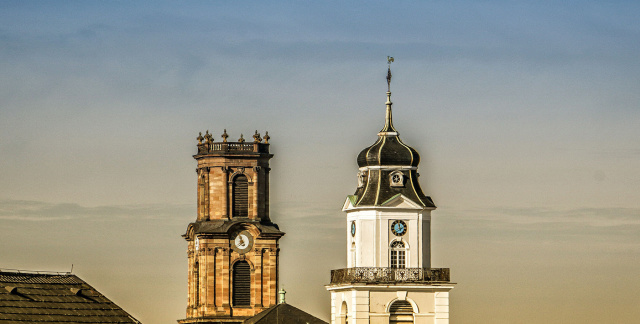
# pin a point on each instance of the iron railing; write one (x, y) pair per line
(389, 275)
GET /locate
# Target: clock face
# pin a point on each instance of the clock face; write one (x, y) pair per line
(353, 228)
(243, 242)
(399, 227)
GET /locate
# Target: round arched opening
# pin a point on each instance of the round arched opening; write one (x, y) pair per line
(401, 312)
(398, 254)
(344, 314)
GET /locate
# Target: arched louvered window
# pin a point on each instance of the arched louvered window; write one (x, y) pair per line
(240, 196)
(401, 312)
(241, 284)
(398, 254)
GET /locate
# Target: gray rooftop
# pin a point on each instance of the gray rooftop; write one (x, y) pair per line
(30, 297)
(284, 314)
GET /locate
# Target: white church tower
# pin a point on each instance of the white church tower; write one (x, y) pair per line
(389, 278)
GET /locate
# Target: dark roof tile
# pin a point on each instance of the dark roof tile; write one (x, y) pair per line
(54, 298)
(284, 314)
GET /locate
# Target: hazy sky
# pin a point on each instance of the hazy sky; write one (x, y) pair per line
(526, 115)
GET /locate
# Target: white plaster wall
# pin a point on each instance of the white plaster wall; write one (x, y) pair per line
(426, 239)
(442, 307)
(374, 235)
(370, 304)
(357, 306)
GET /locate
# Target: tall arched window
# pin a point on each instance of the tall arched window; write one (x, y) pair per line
(344, 313)
(240, 196)
(196, 283)
(398, 257)
(401, 312)
(241, 284)
(204, 198)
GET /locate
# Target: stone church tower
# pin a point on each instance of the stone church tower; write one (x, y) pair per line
(232, 245)
(389, 278)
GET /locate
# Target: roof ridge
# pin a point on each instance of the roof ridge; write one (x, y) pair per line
(34, 272)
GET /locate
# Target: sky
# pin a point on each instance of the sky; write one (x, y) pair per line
(526, 116)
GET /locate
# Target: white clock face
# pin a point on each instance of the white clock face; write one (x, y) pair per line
(242, 241)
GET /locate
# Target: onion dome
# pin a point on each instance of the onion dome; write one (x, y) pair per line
(388, 149)
(388, 169)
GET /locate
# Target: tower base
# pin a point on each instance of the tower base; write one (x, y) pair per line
(382, 304)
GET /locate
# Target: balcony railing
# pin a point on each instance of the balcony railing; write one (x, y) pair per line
(389, 275)
(223, 147)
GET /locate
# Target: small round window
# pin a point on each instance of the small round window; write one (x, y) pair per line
(397, 179)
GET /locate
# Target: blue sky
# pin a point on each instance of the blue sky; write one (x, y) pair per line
(526, 115)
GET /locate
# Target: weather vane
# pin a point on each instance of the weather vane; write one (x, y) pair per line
(389, 60)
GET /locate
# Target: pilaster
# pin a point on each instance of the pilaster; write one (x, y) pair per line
(360, 306)
(442, 307)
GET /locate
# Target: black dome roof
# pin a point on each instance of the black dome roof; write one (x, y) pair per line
(388, 149)
(381, 162)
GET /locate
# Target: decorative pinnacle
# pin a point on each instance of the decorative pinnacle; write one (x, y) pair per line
(199, 138)
(208, 137)
(256, 137)
(266, 137)
(241, 139)
(224, 136)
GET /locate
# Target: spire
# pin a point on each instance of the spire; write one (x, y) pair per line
(388, 121)
(389, 60)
